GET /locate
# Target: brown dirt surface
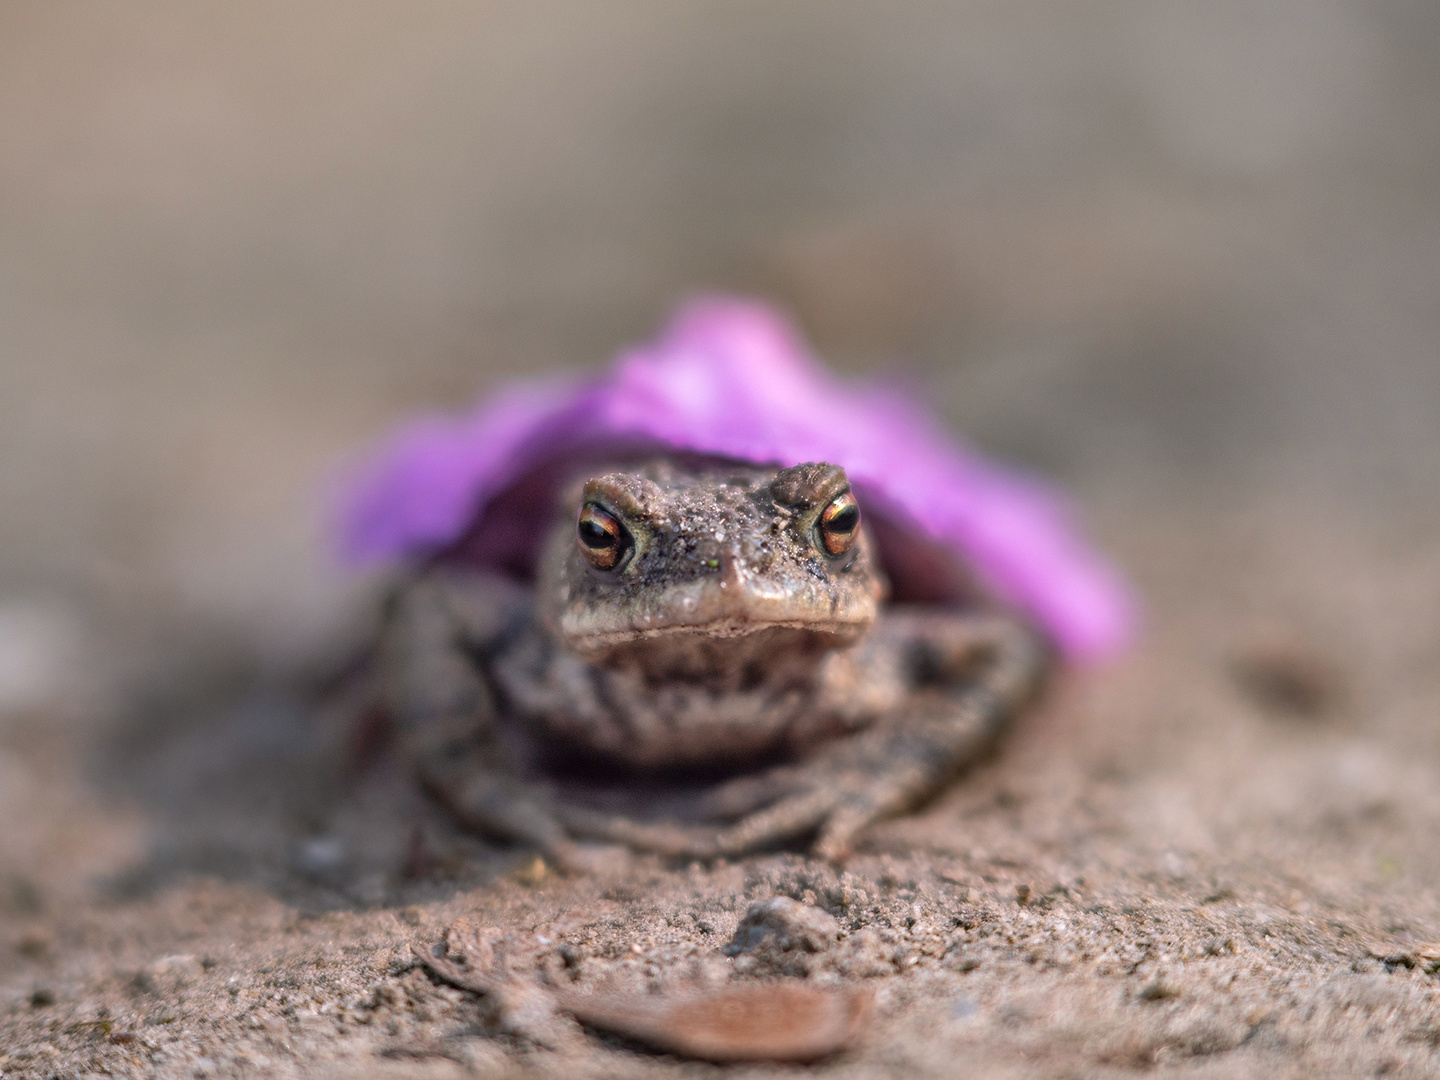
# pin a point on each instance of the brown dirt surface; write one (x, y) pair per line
(1181, 257)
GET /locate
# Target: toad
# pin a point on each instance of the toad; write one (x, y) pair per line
(711, 601)
(712, 639)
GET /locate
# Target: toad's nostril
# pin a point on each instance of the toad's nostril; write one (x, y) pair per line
(729, 571)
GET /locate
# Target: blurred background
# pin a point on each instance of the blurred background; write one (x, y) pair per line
(1177, 239)
(1181, 256)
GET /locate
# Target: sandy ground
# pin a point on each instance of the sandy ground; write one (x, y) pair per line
(1181, 257)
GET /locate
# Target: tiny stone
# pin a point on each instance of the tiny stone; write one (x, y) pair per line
(784, 935)
(571, 956)
(1158, 991)
(784, 924)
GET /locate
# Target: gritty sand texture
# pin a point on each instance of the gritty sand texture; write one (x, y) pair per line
(1180, 257)
(1160, 871)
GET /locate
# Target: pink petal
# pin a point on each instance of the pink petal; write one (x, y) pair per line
(732, 378)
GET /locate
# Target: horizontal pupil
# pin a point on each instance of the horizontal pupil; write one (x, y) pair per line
(593, 535)
(845, 520)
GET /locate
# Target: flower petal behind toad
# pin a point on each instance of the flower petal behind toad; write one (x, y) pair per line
(732, 378)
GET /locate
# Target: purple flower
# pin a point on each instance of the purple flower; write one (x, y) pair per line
(731, 378)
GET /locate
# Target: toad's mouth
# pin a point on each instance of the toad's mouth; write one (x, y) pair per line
(730, 614)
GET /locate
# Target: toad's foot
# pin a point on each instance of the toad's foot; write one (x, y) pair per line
(492, 803)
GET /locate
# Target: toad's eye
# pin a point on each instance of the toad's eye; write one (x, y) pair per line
(603, 540)
(840, 524)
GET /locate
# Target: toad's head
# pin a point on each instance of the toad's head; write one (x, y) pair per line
(674, 568)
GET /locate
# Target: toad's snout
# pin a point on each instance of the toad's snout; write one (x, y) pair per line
(730, 596)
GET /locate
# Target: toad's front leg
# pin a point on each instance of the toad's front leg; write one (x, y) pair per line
(939, 685)
(968, 675)
(439, 629)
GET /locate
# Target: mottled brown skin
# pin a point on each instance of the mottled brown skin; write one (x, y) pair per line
(713, 619)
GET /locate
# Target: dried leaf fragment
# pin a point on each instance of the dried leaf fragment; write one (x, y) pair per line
(779, 1021)
(785, 1021)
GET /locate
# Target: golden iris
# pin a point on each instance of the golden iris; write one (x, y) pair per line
(603, 539)
(840, 524)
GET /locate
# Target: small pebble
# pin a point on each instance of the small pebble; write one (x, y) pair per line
(783, 936)
(1158, 991)
(784, 924)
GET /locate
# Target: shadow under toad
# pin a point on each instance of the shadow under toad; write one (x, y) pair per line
(277, 780)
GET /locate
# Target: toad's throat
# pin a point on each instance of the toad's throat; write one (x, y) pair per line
(770, 656)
